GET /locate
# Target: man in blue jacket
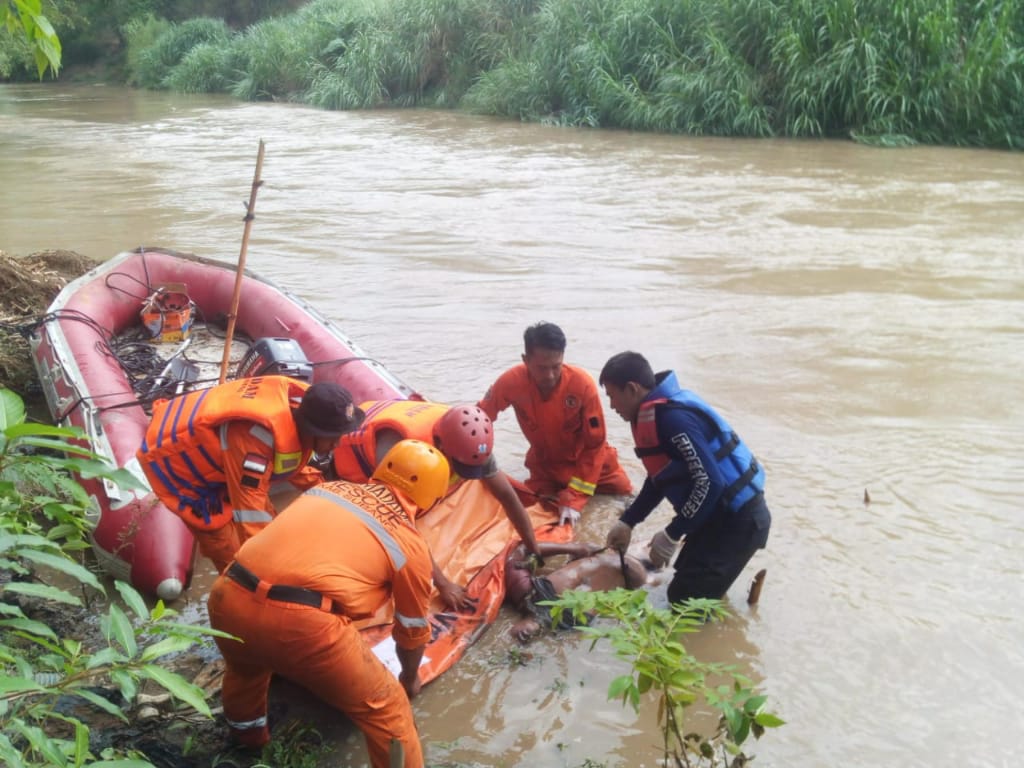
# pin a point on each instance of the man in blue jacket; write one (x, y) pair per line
(695, 460)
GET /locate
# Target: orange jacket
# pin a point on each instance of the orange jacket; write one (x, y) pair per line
(236, 438)
(355, 544)
(566, 431)
(355, 455)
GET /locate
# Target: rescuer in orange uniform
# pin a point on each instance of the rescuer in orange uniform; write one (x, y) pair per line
(211, 455)
(340, 552)
(463, 433)
(558, 408)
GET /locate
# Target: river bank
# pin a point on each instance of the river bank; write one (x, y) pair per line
(159, 730)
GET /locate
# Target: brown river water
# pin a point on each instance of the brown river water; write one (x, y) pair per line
(856, 313)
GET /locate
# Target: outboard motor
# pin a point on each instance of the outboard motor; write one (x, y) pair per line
(276, 356)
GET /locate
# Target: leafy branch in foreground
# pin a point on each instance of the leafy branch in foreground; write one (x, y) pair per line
(42, 519)
(25, 17)
(651, 640)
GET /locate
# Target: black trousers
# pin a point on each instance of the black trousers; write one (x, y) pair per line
(713, 557)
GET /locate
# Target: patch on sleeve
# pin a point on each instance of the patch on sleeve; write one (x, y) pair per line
(255, 464)
(595, 422)
(249, 481)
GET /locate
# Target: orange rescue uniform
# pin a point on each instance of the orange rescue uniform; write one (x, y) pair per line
(355, 455)
(212, 455)
(339, 554)
(569, 455)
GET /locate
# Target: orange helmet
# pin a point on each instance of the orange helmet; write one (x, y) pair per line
(417, 469)
(465, 436)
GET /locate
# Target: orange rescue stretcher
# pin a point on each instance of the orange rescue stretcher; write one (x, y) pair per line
(469, 536)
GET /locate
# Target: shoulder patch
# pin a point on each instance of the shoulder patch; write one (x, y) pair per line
(255, 464)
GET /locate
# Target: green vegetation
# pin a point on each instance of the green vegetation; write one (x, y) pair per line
(29, 36)
(651, 640)
(42, 524)
(887, 72)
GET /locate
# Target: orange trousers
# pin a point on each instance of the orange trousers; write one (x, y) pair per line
(220, 545)
(322, 652)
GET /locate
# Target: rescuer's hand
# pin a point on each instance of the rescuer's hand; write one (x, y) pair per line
(619, 536)
(568, 515)
(663, 547)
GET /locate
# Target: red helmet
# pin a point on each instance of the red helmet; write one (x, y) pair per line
(465, 436)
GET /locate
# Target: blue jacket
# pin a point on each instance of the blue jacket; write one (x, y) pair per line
(693, 458)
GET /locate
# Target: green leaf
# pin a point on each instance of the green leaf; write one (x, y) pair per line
(42, 591)
(8, 541)
(159, 610)
(107, 706)
(178, 687)
(30, 626)
(9, 756)
(126, 763)
(126, 683)
(105, 657)
(12, 409)
(753, 705)
(18, 684)
(768, 720)
(120, 630)
(644, 682)
(618, 686)
(81, 744)
(64, 565)
(132, 599)
(167, 646)
(63, 531)
(29, 436)
(43, 744)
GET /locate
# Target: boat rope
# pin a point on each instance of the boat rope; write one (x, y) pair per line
(345, 360)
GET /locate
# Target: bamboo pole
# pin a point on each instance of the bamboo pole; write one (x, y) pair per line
(236, 296)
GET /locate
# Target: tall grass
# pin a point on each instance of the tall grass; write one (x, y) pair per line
(880, 71)
(151, 64)
(417, 52)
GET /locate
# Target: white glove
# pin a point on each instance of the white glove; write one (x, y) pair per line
(568, 515)
(663, 547)
(619, 536)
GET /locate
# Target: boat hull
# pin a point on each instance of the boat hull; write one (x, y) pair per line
(136, 538)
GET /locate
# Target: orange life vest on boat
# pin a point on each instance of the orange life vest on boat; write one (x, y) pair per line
(355, 455)
(182, 453)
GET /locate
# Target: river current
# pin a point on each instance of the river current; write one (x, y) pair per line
(855, 312)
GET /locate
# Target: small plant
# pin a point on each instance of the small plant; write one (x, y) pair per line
(558, 686)
(517, 657)
(295, 745)
(652, 641)
(42, 518)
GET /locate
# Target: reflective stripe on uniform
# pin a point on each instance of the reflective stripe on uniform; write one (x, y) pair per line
(262, 434)
(251, 516)
(582, 486)
(390, 545)
(245, 725)
(410, 621)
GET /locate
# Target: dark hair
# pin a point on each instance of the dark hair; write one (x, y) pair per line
(544, 336)
(626, 367)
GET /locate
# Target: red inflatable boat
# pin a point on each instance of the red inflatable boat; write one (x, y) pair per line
(129, 332)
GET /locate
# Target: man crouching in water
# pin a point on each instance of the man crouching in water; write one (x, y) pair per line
(591, 567)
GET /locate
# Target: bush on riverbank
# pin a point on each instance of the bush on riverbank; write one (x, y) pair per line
(879, 71)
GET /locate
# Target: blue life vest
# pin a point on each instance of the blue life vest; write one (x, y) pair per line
(744, 477)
